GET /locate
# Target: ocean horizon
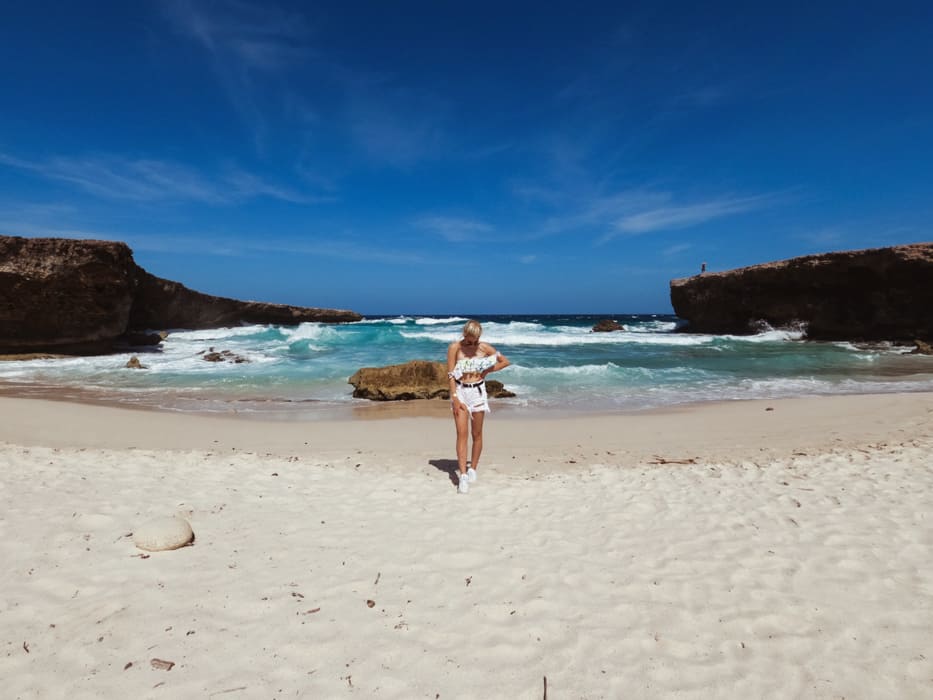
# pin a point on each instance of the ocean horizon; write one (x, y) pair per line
(558, 365)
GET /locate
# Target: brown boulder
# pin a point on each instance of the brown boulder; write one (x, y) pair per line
(875, 294)
(607, 326)
(134, 363)
(211, 355)
(418, 379)
(921, 348)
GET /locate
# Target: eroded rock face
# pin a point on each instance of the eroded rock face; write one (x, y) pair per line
(83, 297)
(418, 379)
(161, 303)
(63, 295)
(875, 294)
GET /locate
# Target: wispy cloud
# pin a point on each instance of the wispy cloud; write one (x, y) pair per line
(248, 244)
(264, 57)
(120, 178)
(453, 229)
(627, 213)
(684, 216)
(248, 185)
(391, 139)
(346, 249)
(257, 35)
(528, 259)
(236, 246)
(701, 97)
(676, 249)
(151, 180)
(392, 124)
(580, 209)
(245, 42)
(823, 238)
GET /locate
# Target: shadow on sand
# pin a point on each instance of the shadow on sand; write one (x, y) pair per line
(449, 466)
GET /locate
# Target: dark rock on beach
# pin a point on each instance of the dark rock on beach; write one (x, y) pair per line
(418, 379)
(607, 326)
(211, 355)
(874, 294)
(86, 297)
(134, 363)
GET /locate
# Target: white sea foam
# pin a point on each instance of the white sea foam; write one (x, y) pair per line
(875, 349)
(652, 327)
(440, 321)
(310, 331)
(768, 336)
(513, 326)
(520, 371)
(506, 336)
(218, 333)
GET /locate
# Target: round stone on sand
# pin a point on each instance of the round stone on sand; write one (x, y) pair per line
(163, 533)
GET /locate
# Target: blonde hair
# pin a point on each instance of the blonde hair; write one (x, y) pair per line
(472, 329)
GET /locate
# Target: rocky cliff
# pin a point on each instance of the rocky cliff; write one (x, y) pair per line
(160, 303)
(874, 294)
(74, 296)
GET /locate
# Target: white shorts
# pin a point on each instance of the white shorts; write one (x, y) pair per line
(474, 397)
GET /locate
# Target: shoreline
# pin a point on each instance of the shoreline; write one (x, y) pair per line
(713, 430)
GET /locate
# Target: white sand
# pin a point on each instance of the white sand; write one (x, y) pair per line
(792, 558)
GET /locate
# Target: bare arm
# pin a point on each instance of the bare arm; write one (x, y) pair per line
(451, 363)
(501, 360)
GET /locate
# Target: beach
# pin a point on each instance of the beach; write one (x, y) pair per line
(767, 548)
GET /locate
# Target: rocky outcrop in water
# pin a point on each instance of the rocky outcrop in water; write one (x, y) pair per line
(211, 355)
(607, 325)
(83, 297)
(875, 294)
(134, 363)
(418, 379)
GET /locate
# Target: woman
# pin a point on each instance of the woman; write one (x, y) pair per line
(468, 363)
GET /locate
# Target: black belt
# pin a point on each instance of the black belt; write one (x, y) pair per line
(470, 386)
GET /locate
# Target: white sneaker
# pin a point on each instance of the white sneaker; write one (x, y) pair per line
(464, 484)
(471, 475)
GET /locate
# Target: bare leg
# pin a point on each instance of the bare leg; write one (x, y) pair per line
(477, 431)
(462, 421)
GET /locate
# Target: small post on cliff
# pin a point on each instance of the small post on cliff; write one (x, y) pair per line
(702, 268)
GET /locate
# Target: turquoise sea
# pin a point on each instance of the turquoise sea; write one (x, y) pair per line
(558, 365)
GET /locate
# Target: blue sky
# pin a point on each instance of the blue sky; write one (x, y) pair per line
(483, 157)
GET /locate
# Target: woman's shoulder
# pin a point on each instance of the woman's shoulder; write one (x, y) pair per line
(487, 349)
